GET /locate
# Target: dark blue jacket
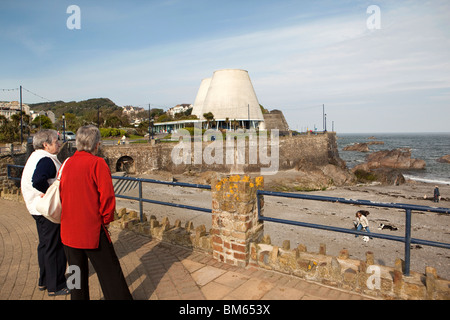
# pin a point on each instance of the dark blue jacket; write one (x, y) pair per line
(45, 169)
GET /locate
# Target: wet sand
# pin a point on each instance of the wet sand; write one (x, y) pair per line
(425, 225)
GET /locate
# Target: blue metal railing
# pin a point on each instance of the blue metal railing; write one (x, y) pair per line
(9, 167)
(141, 199)
(407, 239)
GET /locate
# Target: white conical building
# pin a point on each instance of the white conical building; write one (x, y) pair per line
(200, 99)
(231, 96)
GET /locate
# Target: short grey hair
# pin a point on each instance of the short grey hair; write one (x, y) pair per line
(44, 135)
(87, 138)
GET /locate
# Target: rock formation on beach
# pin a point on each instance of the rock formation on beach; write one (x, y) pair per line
(384, 166)
(444, 159)
(385, 176)
(361, 147)
(395, 159)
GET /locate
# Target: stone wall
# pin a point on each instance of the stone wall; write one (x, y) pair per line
(8, 188)
(355, 275)
(275, 120)
(294, 152)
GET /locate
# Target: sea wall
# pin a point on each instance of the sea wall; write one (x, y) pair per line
(281, 153)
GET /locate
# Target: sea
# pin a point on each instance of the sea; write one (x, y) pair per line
(425, 146)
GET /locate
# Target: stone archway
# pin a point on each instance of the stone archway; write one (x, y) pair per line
(126, 164)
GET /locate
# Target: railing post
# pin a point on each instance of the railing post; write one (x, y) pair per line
(407, 242)
(141, 209)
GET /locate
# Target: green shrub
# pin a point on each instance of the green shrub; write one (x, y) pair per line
(112, 132)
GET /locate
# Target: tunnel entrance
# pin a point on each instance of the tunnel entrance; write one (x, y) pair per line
(126, 164)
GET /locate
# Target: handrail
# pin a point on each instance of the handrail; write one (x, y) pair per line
(141, 199)
(8, 170)
(172, 183)
(407, 240)
(357, 202)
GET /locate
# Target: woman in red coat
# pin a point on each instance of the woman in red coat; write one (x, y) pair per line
(88, 205)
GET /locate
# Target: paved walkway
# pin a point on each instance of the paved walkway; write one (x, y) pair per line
(153, 270)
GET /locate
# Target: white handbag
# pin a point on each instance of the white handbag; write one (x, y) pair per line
(50, 204)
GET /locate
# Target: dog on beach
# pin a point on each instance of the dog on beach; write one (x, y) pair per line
(387, 227)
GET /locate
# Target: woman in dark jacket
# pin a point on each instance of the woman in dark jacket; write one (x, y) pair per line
(39, 173)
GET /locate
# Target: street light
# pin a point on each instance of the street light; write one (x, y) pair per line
(150, 125)
(64, 127)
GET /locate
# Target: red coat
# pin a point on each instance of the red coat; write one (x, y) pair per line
(87, 199)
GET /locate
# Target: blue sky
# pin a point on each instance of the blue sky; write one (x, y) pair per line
(299, 55)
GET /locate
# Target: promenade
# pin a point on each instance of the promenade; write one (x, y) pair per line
(154, 270)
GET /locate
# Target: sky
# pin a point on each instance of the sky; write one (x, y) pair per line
(374, 66)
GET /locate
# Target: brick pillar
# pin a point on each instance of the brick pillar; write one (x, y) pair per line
(235, 218)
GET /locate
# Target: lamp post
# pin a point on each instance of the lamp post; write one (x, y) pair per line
(64, 127)
(152, 129)
(150, 125)
(21, 117)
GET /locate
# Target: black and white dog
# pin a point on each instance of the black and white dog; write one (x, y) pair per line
(387, 227)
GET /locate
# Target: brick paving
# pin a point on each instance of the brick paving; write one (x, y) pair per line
(154, 270)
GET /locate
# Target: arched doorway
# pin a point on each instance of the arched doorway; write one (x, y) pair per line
(126, 164)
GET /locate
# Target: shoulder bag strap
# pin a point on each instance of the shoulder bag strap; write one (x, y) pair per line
(61, 169)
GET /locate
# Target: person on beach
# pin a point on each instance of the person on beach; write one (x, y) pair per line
(88, 204)
(436, 195)
(38, 174)
(362, 223)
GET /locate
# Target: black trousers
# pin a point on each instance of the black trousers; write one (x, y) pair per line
(106, 264)
(51, 258)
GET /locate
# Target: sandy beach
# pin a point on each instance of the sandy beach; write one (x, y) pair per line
(425, 225)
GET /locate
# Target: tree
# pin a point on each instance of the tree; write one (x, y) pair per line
(235, 124)
(43, 122)
(3, 121)
(209, 117)
(10, 130)
(164, 118)
(72, 122)
(113, 122)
